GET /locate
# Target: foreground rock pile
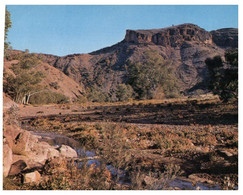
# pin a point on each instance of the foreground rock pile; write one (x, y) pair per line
(25, 153)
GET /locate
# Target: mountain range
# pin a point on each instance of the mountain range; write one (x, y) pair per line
(187, 46)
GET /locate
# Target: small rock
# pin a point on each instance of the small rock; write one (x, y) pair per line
(67, 151)
(33, 177)
(226, 164)
(198, 188)
(224, 153)
(199, 149)
(148, 180)
(197, 179)
(210, 182)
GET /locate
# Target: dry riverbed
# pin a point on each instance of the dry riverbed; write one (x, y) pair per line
(156, 142)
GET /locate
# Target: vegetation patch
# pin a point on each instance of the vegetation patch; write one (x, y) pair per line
(48, 97)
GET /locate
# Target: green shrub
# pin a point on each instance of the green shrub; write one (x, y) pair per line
(124, 92)
(224, 75)
(8, 24)
(48, 97)
(97, 94)
(153, 77)
(81, 99)
(26, 80)
(54, 85)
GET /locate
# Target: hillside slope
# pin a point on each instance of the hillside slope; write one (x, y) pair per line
(54, 79)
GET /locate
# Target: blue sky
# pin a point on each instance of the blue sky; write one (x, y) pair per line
(63, 30)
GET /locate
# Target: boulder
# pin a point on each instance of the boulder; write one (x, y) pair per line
(67, 151)
(17, 167)
(7, 159)
(35, 153)
(31, 163)
(10, 132)
(42, 151)
(52, 152)
(28, 145)
(23, 143)
(33, 177)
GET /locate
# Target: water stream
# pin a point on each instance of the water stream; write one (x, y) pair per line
(58, 140)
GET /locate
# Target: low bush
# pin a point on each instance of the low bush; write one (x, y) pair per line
(48, 97)
(81, 99)
(54, 85)
(97, 94)
(124, 92)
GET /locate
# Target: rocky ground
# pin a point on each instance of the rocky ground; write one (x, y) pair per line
(25, 153)
(193, 140)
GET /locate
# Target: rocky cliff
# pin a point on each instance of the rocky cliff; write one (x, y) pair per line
(226, 37)
(169, 37)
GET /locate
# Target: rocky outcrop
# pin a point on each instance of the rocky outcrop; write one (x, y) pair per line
(169, 37)
(28, 145)
(22, 150)
(225, 37)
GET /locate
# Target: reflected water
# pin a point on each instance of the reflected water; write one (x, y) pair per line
(58, 140)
